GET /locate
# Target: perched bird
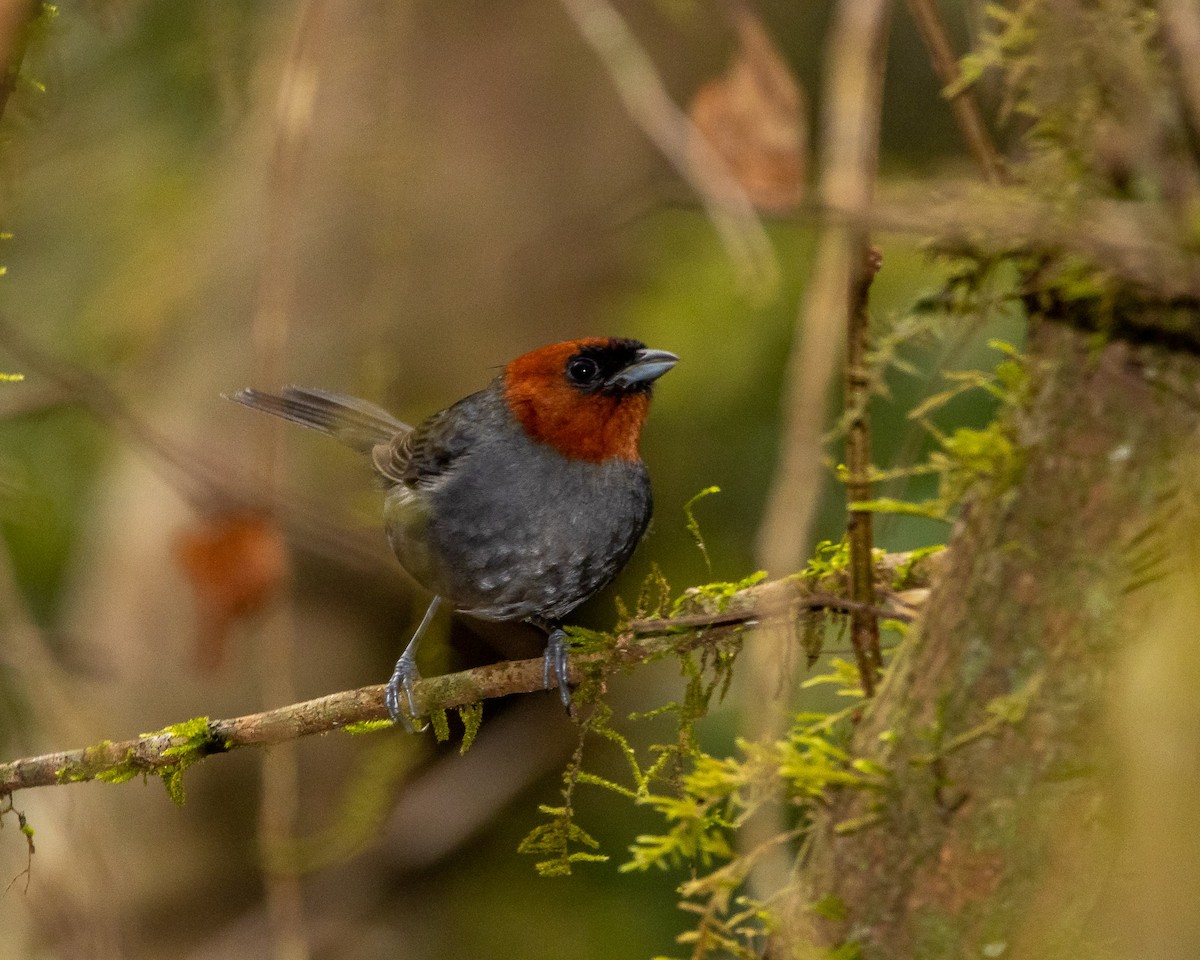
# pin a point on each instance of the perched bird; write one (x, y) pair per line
(516, 503)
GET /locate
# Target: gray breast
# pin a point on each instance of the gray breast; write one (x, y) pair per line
(518, 530)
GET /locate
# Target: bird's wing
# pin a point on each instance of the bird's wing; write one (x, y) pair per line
(428, 453)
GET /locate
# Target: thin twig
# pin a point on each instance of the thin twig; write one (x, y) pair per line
(864, 626)
(726, 618)
(1138, 241)
(23, 826)
(963, 104)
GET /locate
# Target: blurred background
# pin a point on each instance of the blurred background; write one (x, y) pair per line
(388, 200)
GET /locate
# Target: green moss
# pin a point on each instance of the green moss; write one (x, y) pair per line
(1006, 710)
(193, 729)
(72, 772)
(197, 741)
(172, 778)
(585, 641)
(95, 765)
(471, 717)
(693, 525)
(714, 597)
(120, 772)
(441, 725)
(829, 558)
(831, 907)
(557, 837)
(360, 727)
(902, 580)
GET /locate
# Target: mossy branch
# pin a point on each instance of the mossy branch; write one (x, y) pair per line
(166, 753)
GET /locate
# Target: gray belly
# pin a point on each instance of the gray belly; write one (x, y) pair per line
(505, 544)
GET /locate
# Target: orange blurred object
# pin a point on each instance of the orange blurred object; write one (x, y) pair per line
(236, 563)
(755, 116)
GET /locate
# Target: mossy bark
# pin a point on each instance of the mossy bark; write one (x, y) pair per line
(992, 841)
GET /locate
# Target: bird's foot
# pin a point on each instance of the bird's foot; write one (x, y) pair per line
(406, 674)
(556, 665)
(400, 687)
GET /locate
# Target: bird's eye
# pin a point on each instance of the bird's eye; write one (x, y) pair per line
(583, 370)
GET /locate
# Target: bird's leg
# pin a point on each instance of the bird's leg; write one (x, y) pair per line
(406, 674)
(555, 664)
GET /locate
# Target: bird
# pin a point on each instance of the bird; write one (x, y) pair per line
(518, 502)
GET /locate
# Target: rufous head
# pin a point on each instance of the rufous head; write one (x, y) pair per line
(587, 398)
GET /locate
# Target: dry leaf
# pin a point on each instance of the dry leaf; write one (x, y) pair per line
(755, 116)
(235, 563)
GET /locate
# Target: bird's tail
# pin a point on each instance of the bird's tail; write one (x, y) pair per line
(356, 423)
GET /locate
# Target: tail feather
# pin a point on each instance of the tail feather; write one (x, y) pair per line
(356, 423)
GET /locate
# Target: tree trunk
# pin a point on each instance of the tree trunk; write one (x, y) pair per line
(1004, 832)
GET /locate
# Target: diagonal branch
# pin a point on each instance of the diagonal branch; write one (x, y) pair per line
(963, 104)
(167, 751)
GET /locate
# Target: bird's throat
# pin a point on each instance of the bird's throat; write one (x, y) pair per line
(581, 427)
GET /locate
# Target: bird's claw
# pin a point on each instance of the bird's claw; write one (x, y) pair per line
(556, 666)
(406, 674)
(401, 686)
